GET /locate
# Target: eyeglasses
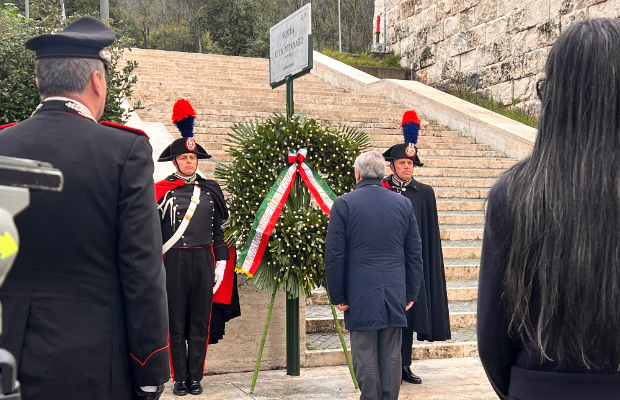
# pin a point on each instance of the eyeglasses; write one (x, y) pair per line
(540, 88)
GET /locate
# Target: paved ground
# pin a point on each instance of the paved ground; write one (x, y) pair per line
(443, 379)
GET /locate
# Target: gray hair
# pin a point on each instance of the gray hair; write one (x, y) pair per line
(58, 76)
(371, 165)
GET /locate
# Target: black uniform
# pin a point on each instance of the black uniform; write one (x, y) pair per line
(84, 307)
(190, 267)
(429, 316)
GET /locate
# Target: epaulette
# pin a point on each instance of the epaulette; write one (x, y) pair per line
(7, 125)
(124, 127)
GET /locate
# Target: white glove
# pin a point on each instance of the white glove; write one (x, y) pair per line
(220, 267)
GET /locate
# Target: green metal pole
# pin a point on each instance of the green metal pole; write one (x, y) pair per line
(292, 336)
(262, 342)
(292, 305)
(290, 104)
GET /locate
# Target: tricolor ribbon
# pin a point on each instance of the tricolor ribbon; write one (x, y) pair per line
(271, 207)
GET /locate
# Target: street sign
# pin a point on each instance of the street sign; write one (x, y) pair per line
(290, 47)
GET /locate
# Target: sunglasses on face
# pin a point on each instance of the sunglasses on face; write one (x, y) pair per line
(540, 88)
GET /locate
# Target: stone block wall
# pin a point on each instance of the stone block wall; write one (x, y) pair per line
(495, 47)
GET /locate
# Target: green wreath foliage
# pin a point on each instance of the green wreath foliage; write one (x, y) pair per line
(293, 260)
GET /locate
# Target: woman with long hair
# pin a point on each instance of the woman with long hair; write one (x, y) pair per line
(549, 293)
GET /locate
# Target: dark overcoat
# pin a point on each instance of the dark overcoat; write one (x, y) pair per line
(373, 256)
(429, 317)
(514, 368)
(84, 307)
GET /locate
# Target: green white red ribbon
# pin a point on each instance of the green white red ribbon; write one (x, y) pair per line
(271, 207)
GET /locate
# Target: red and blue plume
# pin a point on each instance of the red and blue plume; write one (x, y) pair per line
(411, 126)
(183, 116)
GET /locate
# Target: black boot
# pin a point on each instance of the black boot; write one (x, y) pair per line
(410, 377)
(180, 389)
(150, 395)
(195, 387)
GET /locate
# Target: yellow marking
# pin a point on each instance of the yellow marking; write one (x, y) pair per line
(8, 246)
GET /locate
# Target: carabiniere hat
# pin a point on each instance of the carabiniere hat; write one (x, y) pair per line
(411, 129)
(183, 116)
(85, 37)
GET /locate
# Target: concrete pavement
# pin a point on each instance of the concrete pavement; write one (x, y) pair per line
(443, 379)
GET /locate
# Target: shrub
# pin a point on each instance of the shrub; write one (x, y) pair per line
(390, 61)
(19, 95)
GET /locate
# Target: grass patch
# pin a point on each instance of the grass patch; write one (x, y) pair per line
(514, 113)
(390, 61)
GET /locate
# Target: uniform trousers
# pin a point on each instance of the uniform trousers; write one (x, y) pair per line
(376, 362)
(190, 275)
(407, 345)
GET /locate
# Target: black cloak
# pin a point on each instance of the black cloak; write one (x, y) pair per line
(429, 316)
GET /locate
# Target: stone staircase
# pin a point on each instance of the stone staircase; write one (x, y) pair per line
(225, 90)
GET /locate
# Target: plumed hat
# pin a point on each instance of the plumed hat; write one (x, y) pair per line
(83, 38)
(411, 130)
(183, 116)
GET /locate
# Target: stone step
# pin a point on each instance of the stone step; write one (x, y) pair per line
(460, 173)
(211, 131)
(456, 204)
(271, 100)
(249, 86)
(226, 121)
(202, 107)
(430, 148)
(459, 290)
(464, 172)
(460, 218)
(231, 93)
(254, 99)
(464, 249)
(457, 182)
(461, 193)
(227, 91)
(325, 348)
(465, 162)
(456, 268)
(319, 317)
(461, 232)
(324, 114)
(222, 156)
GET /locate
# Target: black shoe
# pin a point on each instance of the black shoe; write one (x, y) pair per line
(150, 395)
(410, 377)
(180, 389)
(195, 387)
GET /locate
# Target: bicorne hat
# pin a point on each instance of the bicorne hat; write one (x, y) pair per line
(183, 116)
(411, 130)
(85, 37)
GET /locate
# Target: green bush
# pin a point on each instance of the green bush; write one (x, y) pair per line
(390, 61)
(491, 104)
(19, 95)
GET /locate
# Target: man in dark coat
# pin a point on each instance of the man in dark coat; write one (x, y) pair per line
(192, 210)
(84, 307)
(429, 317)
(373, 260)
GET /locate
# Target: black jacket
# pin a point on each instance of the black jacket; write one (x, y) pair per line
(429, 317)
(514, 368)
(205, 227)
(84, 307)
(373, 256)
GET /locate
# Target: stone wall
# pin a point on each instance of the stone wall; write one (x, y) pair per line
(496, 47)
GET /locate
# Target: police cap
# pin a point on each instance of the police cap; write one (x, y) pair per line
(83, 38)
